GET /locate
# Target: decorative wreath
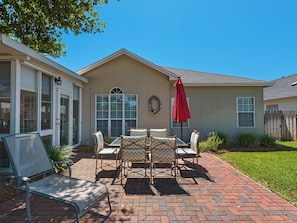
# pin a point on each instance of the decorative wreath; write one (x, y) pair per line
(158, 102)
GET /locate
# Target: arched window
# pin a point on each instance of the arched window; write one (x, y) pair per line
(116, 112)
(116, 90)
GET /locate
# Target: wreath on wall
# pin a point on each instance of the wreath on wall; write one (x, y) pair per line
(156, 101)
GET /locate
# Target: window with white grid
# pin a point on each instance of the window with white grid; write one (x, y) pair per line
(116, 112)
(246, 112)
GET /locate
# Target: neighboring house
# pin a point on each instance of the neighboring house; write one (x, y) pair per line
(281, 95)
(121, 88)
(37, 95)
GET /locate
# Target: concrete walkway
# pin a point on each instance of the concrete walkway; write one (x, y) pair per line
(215, 193)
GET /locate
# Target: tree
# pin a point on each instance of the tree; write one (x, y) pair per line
(40, 24)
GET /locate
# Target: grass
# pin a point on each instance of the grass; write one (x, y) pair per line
(289, 144)
(276, 170)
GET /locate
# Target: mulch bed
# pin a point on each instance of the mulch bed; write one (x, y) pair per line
(257, 149)
(9, 193)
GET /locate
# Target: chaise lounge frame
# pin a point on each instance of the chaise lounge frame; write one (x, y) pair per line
(34, 173)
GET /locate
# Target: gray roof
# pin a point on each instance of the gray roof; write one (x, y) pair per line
(189, 77)
(281, 88)
(197, 78)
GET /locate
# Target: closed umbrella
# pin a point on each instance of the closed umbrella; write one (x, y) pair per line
(181, 112)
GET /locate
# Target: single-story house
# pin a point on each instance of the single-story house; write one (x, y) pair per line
(38, 95)
(282, 95)
(119, 92)
(122, 86)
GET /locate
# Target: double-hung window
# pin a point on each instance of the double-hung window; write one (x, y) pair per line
(76, 113)
(246, 112)
(5, 108)
(116, 112)
(28, 106)
(5, 97)
(46, 102)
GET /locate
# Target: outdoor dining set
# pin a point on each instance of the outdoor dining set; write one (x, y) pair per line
(33, 172)
(152, 148)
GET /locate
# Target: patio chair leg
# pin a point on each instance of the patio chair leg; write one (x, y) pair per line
(173, 170)
(101, 161)
(151, 174)
(116, 161)
(121, 171)
(96, 168)
(109, 204)
(28, 206)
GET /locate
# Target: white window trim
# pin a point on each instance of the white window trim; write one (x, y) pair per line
(109, 119)
(254, 113)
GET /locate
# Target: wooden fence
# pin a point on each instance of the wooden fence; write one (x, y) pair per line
(281, 124)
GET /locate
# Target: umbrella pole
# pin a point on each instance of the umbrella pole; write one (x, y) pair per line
(181, 131)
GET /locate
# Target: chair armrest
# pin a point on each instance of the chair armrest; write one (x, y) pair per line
(68, 164)
(96, 151)
(13, 177)
(25, 179)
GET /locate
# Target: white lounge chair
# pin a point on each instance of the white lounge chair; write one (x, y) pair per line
(101, 151)
(193, 150)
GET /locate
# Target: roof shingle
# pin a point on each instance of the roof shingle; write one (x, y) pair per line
(197, 78)
(281, 88)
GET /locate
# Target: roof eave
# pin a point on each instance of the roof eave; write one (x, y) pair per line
(226, 84)
(278, 98)
(171, 75)
(30, 53)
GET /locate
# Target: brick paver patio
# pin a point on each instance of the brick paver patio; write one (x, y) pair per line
(215, 193)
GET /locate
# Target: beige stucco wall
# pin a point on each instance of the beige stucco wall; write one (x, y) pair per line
(283, 104)
(132, 77)
(214, 109)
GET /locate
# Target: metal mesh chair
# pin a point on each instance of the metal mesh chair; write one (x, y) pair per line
(101, 151)
(163, 151)
(193, 150)
(138, 132)
(133, 150)
(158, 132)
(30, 162)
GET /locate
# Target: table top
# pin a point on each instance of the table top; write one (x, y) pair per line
(117, 142)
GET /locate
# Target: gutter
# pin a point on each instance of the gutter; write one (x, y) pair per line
(32, 54)
(231, 84)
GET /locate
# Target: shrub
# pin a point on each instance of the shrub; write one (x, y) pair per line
(61, 154)
(224, 137)
(248, 140)
(266, 141)
(213, 142)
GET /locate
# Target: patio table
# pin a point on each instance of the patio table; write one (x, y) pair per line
(117, 142)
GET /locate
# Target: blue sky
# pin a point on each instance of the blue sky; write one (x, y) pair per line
(246, 38)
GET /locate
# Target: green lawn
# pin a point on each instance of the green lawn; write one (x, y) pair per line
(276, 170)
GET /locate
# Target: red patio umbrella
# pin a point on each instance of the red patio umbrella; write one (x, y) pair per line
(181, 112)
